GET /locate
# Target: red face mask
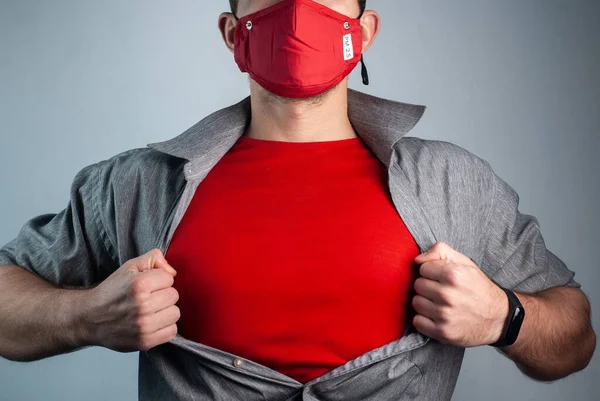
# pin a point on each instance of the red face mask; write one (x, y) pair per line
(298, 48)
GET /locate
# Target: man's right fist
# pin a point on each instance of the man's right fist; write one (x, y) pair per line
(134, 308)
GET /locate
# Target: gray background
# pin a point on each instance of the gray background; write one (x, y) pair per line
(513, 81)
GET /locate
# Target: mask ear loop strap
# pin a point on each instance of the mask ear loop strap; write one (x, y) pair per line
(363, 70)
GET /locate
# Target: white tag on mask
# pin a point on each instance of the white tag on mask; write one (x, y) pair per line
(348, 48)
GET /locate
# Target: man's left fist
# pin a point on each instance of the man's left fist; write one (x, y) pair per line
(456, 303)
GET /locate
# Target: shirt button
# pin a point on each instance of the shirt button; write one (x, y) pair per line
(237, 362)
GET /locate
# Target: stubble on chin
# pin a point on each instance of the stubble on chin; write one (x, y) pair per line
(271, 98)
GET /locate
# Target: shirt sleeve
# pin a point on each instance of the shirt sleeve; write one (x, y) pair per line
(70, 247)
(515, 251)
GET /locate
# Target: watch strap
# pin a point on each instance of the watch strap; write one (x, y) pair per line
(514, 320)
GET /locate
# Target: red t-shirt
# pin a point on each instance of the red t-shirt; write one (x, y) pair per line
(293, 255)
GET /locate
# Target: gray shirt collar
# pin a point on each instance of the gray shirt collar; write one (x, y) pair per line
(380, 123)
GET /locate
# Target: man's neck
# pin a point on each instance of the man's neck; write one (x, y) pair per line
(300, 121)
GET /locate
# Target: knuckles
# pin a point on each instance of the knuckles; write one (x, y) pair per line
(448, 334)
(444, 314)
(456, 274)
(446, 298)
(138, 285)
(438, 246)
(451, 275)
(141, 323)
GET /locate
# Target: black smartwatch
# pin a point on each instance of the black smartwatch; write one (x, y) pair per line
(514, 320)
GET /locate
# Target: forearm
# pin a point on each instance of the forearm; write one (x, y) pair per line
(556, 338)
(37, 319)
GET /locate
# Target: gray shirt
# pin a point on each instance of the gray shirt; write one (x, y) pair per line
(124, 206)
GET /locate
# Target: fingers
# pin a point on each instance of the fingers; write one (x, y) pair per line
(442, 251)
(161, 336)
(161, 263)
(425, 325)
(154, 259)
(424, 306)
(159, 320)
(159, 300)
(429, 289)
(433, 270)
(153, 280)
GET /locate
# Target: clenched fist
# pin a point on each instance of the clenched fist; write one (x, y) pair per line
(456, 303)
(134, 308)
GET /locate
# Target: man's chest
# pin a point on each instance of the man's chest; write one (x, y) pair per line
(274, 262)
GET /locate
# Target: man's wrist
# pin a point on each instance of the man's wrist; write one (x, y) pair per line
(72, 312)
(501, 309)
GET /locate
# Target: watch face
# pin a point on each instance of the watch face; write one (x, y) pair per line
(517, 312)
(515, 324)
(515, 320)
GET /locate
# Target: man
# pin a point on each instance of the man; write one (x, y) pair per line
(296, 245)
